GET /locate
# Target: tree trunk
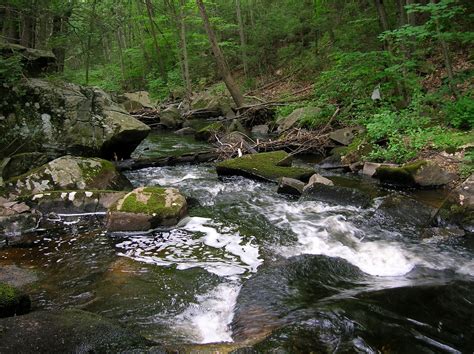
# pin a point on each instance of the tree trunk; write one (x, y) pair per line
(184, 48)
(382, 15)
(89, 40)
(10, 26)
(120, 47)
(243, 44)
(446, 56)
(402, 15)
(161, 65)
(59, 22)
(411, 17)
(221, 63)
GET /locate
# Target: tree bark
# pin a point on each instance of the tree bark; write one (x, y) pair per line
(411, 17)
(184, 49)
(243, 44)
(382, 15)
(221, 63)
(89, 40)
(161, 65)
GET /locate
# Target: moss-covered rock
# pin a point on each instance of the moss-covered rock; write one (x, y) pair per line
(263, 166)
(13, 301)
(147, 208)
(208, 132)
(423, 173)
(68, 173)
(66, 331)
(64, 118)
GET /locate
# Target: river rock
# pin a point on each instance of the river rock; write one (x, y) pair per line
(16, 276)
(218, 103)
(185, 131)
(146, 208)
(423, 173)
(293, 118)
(209, 132)
(35, 62)
(62, 118)
(12, 302)
(402, 212)
(317, 178)
(134, 101)
(370, 168)
(262, 166)
(260, 130)
(290, 186)
(336, 195)
(66, 331)
(458, 209)
(171, 118)
(68, 173)
(77, 201)
(21, 163)
(345, 136)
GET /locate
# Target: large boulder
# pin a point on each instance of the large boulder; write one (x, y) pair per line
(35, 62)
(134, 101)
(458, 209)
(68, 173)
(263, 166)
(422, 173)
(13, 302)
(214, 103)
(63, 118)
(147, 208)
(295, 117)
(66, 331)
(171, 118)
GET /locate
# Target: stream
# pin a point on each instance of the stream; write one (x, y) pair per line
(251, 267)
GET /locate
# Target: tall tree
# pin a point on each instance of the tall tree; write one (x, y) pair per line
(243, 44)
(219, 56)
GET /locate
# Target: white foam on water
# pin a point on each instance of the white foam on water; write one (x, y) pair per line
(198, 243)
(208, 320)
(334, 236)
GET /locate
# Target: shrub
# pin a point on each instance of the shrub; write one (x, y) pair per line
(460, 114)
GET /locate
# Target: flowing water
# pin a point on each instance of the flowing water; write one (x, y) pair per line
(249, 265)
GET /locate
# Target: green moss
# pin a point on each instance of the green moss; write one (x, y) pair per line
(403, 175)
(155, 203)
(263, 166)
(12, 301)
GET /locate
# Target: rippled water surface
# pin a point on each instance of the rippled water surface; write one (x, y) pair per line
(249, 263)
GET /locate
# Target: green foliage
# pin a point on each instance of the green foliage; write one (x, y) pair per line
(10, 69)
(460, 114)
(467, 168)
(321, 118)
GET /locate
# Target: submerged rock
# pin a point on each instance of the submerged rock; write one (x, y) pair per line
(63, 118)
(147, 208)
(13, 302)
(66, 331)
(336, 195)
(403, 212)
(421, 173)
(185, 131)
(290, 186)
(68, 173)
(262, 166)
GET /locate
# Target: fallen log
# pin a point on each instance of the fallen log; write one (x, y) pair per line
(190, 158)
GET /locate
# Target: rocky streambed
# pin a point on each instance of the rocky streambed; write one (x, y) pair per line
(351, 265)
